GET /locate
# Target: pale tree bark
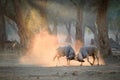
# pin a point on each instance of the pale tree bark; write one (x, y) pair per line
(101, 22)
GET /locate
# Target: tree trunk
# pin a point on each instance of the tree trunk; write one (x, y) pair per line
(94, 30)
(101, 22)
(79, 34)
(68, 38)
(117, 37)
(20, 23)
(2, 28)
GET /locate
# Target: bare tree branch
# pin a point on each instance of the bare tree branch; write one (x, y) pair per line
(74, 3)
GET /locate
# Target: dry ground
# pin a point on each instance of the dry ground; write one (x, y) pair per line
(11, 69)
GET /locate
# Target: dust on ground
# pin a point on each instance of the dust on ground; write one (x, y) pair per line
(11, 69)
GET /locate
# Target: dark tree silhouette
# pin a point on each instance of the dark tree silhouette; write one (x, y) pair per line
(101, 24)
(2, 27)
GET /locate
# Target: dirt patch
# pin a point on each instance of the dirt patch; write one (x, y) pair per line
(11, 69)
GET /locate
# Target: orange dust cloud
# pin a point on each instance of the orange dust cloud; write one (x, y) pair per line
(41, 50)
(78, 45)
